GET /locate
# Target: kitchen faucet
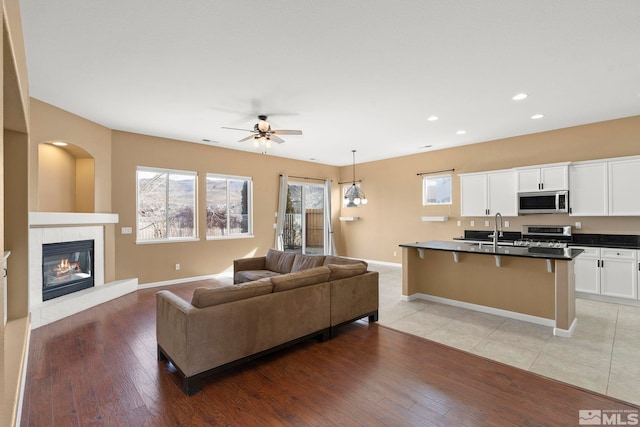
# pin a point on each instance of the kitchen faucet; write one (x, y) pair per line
(497, 232)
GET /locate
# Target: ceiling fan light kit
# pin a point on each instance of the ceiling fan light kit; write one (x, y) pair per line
(263, 135)
(354, 194)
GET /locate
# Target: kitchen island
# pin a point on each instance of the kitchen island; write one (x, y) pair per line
(532, 284)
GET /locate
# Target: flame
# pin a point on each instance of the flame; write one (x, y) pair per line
(65, 267)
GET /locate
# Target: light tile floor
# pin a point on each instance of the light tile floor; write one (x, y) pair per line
(603, 355)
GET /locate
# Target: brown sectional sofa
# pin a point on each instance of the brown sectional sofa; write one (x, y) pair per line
(275, 301)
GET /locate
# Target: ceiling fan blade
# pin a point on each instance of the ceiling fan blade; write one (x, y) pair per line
(276, 139)
(287, 132)
(247, 138)
(246, 130)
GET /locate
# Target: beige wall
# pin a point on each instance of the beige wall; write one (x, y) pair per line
(85, 185)
(156, 262)
(56, 179)
(393, 213)
(49, 123)
(16, 214)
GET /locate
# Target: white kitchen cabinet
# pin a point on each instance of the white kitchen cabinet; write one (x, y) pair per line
(588, 189)
(473, 194)
(624, 175)
(543, 178)
(618, 275)
(586, 269)
(488, 193)
(607, 271)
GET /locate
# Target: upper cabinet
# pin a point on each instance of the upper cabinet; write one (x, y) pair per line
(487, 193)
(624, 175)
(604, 187)
(588, 189)
(543, 178)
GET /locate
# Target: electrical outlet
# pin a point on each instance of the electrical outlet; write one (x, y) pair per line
(458, 223)
(395, 253)
(578, 225)
(473, 223)
(177, 266)
(126, 230)
(506, 223)
(486, 223)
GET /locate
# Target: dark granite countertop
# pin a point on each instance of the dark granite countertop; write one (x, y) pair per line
(488, 249)
(622, 241)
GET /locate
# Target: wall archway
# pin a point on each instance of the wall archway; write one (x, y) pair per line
(66, 178)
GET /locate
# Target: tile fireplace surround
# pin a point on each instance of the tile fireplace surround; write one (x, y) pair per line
(55, 227)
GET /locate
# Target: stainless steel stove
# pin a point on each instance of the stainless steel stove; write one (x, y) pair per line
(545, 236)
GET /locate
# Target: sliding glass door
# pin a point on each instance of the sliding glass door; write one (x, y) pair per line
(304, 226)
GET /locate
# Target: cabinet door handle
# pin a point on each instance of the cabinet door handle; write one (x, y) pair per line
(598, 263)
(4, 272)
(602, 263)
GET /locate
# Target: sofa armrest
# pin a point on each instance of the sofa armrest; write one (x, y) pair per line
(255, 263)
(172, 314)
(354, 297)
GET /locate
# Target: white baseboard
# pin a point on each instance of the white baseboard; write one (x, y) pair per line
(566, 333)
(185, 280)
(484, 309)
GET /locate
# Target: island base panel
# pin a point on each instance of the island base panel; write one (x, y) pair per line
(520, 285)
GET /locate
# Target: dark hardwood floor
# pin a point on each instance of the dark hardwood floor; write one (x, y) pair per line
(99, 368)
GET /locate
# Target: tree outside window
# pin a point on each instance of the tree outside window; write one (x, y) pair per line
(228, 206)
(166, 201)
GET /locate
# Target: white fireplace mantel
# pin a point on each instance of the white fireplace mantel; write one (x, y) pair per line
(47, 219)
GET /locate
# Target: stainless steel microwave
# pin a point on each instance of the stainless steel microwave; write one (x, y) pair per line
(543, 202)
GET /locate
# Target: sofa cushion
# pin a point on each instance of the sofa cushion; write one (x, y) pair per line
(305, 262)
(300, 279)
(205, 297)
(278, 261)
(252, 275)
(347, 270)
(330, 259)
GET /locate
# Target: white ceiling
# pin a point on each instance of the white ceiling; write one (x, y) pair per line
(356, 74)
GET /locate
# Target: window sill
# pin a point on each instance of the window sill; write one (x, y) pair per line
(239, 236)
(153, 242)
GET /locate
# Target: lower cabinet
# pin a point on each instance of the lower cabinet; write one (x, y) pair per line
(607, 271)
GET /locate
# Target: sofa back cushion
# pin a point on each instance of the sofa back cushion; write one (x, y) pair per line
(338, 260)
(205, 297)
(278, 261)
(300, 279)
(342, 271)
(305, 262)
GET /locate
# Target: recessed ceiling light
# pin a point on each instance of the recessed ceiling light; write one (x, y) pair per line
(433, 118)
(59, 143)
(520, 97)
(461, 132)
(537, 116)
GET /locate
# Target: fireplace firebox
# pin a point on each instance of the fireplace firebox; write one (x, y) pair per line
(67, 267)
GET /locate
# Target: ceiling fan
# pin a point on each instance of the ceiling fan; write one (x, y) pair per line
(262, 134)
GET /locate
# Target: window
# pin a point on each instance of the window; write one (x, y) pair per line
(229, 211)
(166, 205)
(436, 190)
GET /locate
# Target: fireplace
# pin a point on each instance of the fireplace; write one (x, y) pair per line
(67, 267)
